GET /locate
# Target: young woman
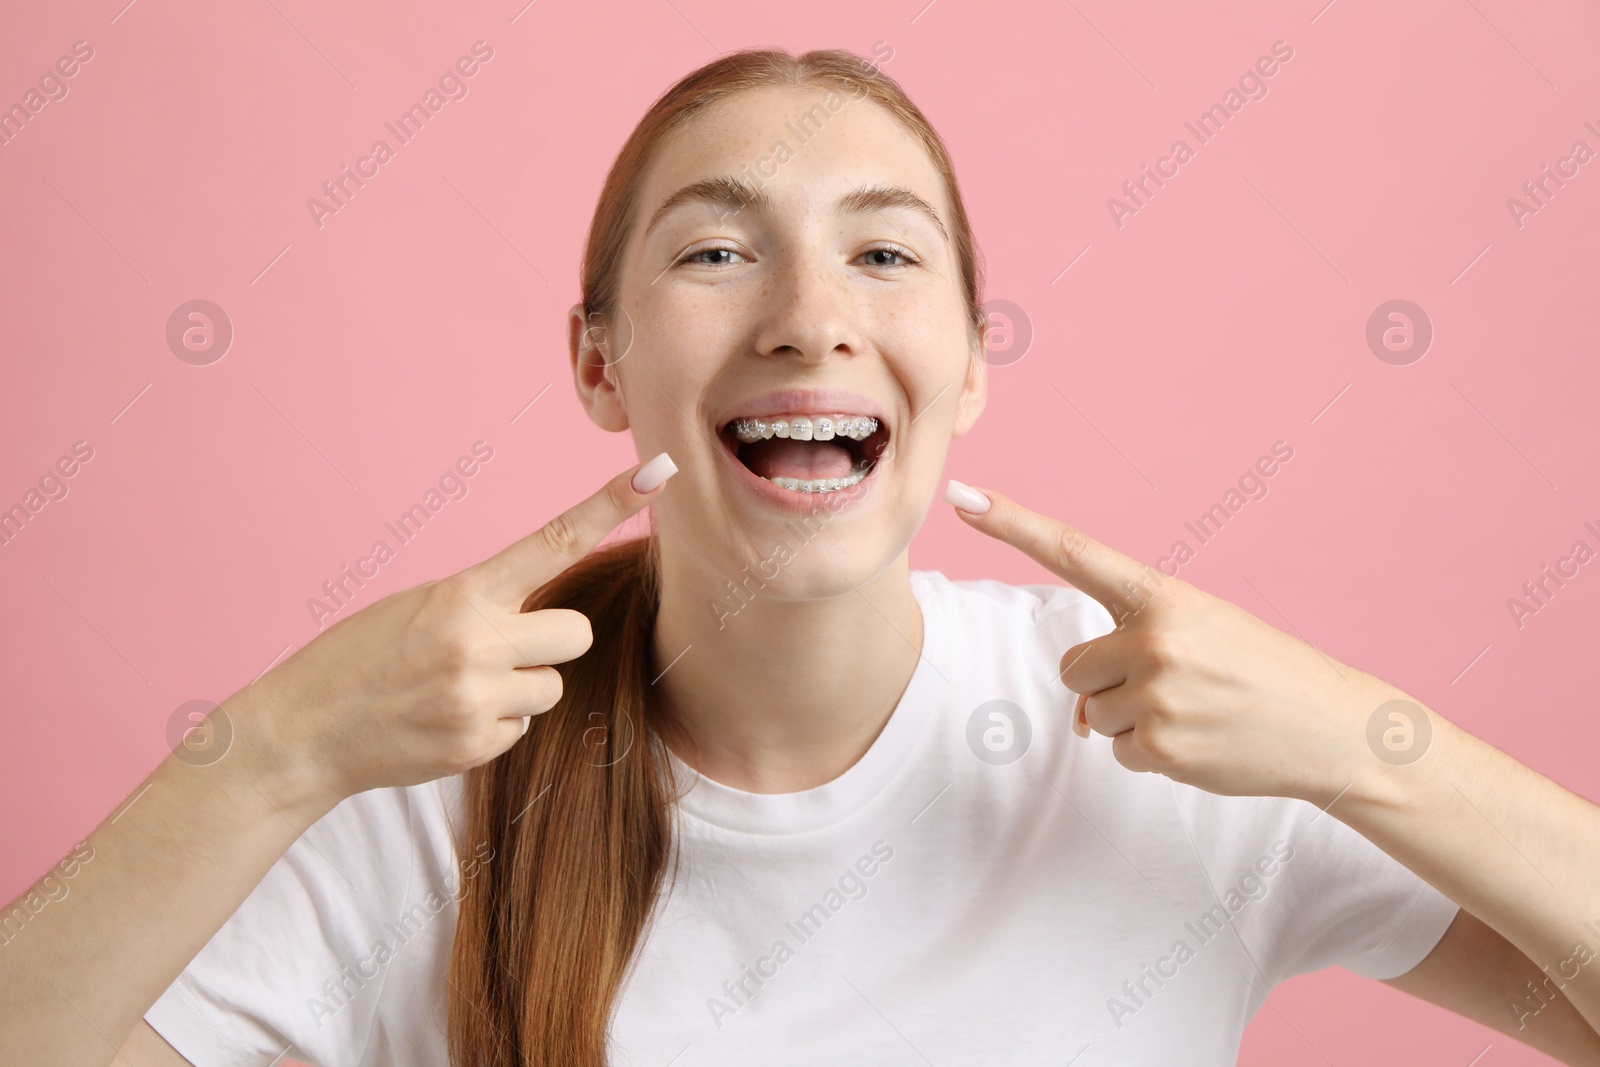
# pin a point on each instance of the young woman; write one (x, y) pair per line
(786, 800)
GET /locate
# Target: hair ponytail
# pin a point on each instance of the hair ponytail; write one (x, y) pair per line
(579, 811)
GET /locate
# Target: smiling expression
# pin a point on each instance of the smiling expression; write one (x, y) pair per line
(776, 281)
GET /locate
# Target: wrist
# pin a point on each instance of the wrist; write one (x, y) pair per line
(1398, 748)
(270, 763)
(1354, 742)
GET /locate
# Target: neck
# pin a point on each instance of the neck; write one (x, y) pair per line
(776, 695)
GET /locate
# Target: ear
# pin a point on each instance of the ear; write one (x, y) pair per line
(974, 392)
(594, 370)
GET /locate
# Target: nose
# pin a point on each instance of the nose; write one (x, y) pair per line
(811, 314)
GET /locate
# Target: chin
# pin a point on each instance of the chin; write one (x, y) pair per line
(804, 563)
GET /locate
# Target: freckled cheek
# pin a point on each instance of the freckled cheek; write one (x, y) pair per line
(928, 319)
(931, 365)
(700, 322)
(664, 383)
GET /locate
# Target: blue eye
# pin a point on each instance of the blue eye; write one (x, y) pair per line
(695, 256)
(908, 260)
(893, 250)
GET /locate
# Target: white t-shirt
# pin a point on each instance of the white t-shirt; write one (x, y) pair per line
(982, 886)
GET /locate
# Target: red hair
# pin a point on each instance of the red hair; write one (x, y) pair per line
(579, 811)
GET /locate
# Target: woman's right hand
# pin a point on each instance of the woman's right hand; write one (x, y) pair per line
(438, 678)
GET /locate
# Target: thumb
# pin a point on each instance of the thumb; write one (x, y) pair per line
(1110, 577)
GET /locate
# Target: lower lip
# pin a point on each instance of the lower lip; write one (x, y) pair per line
(795, 503)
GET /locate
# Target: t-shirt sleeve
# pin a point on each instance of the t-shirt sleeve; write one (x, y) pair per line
(1305, 891)
(337, 943)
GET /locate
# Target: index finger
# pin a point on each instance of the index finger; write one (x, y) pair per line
(511, 574)
(1121, 583)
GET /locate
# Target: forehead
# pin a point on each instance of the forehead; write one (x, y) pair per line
(805, 147)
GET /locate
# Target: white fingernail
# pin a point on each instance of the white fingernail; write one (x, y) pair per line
(965, 497)
(654, 473)
(526, 720)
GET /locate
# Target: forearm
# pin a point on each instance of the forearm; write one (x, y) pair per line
(167, 870)
(1507, 844)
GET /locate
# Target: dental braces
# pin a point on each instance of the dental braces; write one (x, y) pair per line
(806, 428)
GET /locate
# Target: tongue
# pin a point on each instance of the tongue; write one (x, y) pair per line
(781, 457)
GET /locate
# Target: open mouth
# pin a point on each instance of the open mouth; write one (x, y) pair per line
(809, 453)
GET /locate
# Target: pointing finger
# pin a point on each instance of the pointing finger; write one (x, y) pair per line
(1120, 583)
(523, 566)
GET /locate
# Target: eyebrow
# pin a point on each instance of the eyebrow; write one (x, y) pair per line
(737, 194)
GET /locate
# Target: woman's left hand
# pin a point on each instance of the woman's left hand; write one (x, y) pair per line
(1193, 687)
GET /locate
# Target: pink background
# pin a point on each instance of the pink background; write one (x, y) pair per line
(1224, 316)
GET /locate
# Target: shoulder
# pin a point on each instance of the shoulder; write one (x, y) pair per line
(1057, 611)
(338, 947)
(1331, 896)
(373, 851)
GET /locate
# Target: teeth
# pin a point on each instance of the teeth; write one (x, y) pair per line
(807, 428)
(823, 485)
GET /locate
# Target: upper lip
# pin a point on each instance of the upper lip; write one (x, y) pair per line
(806, 401)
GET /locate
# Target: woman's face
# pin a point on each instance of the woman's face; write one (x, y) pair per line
(831, 291)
